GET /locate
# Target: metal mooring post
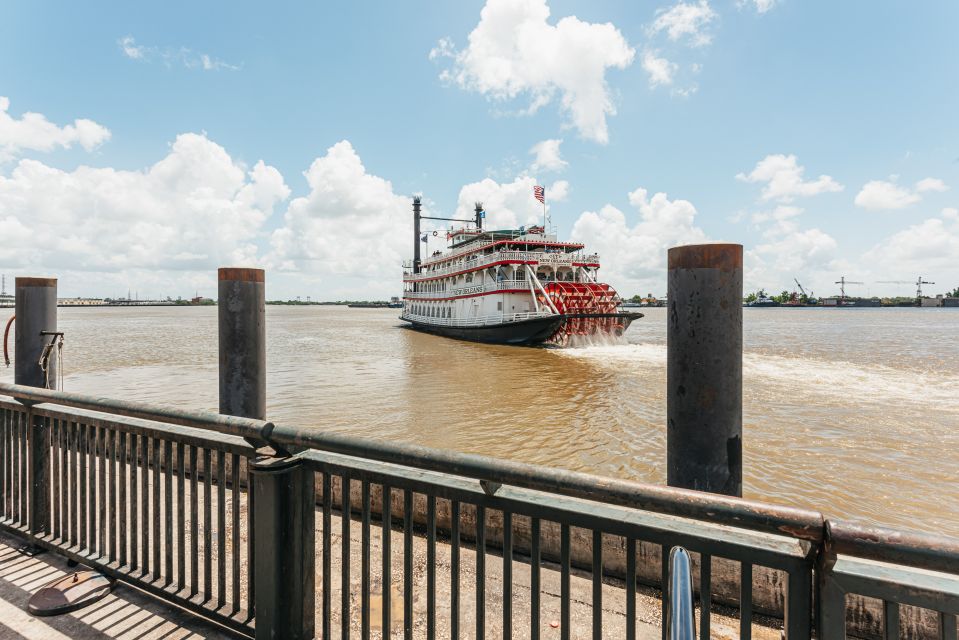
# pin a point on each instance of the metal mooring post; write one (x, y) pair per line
(36, 312)
(241, 310)
(280, 489)
(704, 369)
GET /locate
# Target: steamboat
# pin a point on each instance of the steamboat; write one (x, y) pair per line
(519, 286)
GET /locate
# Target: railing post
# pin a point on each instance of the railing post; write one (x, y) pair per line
(704, 371)
(284, 539)
(36, 312)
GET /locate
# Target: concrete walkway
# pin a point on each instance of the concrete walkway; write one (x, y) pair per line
(125, 614)
(129, 614)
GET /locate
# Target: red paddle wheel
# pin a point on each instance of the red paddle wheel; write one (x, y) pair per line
(585, 303)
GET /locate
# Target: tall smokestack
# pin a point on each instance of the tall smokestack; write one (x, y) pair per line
(479, 216)
(416, 234)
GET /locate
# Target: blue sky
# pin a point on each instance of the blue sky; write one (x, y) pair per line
(838, 118)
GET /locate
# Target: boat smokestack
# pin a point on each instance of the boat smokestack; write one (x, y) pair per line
(479, 216)
(416, 234)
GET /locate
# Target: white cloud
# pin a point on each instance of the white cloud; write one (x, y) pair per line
(32, 131)
(950, 213)
(660, 70)
(685, 20)
(928, 247)
(761, 6)
(879, 194)
(634, 250)
(931, 184)
(172, 56)
(509, 204)
(350, 225)
(548, 157)
(783, 178)
(194, 210)
(515, 51)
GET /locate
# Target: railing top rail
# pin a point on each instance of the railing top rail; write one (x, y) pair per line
(257, 430)
(788, 521)
(922, 550)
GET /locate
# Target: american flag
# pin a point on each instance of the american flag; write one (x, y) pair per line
(539, 193)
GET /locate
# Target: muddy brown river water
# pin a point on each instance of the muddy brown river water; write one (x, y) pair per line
(851, 411)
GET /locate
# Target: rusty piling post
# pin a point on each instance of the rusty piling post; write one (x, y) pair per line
(36, 311)
(704, 372)
(34, 342)
(242, 329)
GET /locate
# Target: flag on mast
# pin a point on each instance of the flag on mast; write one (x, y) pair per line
(539, 193)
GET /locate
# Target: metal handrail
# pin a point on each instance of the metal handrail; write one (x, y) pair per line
(470, 289)
(228, 425)
(478, 321)
(680, 609)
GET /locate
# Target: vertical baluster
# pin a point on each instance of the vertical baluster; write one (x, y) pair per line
(82, 493)
(664, 574)
(194, 524)
(55, 476)
(746, 601)
(365, 565)
(947, 626)
(430, 567)
(387, 557)
(112, 488)
(408, 565)
(345, 616)
(454, 570)
(597, 584)
(4, 463)
(181, 516)
(534, 579)
(100, 459)
(168, 511)
(630, 589)
(221, 528)
(705, 594)
(480, 571)
(235, 529)
(145, 505)
(157, 516)
(134, 502)
(890, 620)
(24, 468)
(564, 594)
(327, 553)
(122, 497)
(250, 532)
(207, 525)
(507, 575)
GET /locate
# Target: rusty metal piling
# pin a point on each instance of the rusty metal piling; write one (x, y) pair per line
(704, 373)
(36, 313)
(242, 330)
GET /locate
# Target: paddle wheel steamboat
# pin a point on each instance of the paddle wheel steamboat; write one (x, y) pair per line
(507, 286)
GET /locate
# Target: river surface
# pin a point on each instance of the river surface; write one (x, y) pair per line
(851, 411)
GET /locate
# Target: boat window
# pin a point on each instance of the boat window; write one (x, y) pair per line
(499, 306)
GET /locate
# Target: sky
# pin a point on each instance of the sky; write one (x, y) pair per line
(143, 145)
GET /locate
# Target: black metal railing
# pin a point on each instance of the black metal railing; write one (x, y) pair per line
(430, 543)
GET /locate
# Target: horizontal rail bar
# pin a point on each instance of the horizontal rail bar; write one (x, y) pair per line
(789, 521)
(228, 425)
(924, 551)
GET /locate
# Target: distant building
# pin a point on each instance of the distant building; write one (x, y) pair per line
(80, 302)
(931, 302)
(201, 300)
(949, 301)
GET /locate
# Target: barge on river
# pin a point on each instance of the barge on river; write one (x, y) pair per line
(509, 287)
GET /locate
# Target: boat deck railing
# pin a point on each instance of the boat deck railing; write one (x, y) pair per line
(478, 321)
(502, 285)
(159, 497)
(521, 257)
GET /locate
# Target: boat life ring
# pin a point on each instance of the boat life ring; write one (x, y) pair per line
(436, 233)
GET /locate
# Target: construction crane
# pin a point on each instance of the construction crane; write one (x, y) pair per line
(919, 282)
(810, 297)
(842, 282)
